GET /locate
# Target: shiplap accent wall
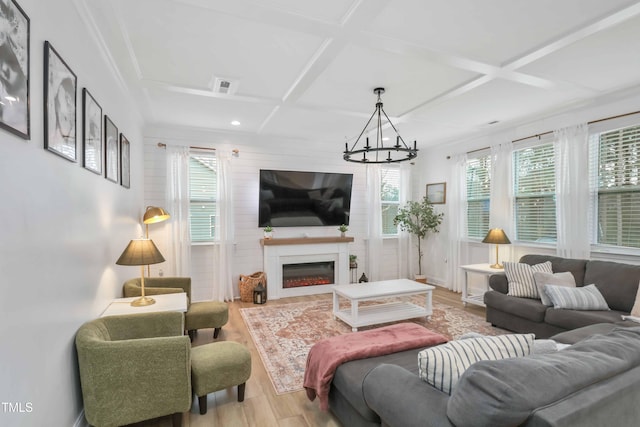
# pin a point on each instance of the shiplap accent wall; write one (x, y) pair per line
(256, 152)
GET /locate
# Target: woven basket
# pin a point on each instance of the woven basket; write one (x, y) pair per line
(248, 283)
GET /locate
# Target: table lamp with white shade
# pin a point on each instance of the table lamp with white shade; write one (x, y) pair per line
(141, 252)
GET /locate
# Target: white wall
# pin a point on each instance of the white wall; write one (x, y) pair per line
(63, 228)
(435, 167)
(256, 152)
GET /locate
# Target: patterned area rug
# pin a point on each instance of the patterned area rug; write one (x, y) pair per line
(283, 334)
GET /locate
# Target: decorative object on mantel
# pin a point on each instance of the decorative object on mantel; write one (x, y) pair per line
(343, 230)
(399, 152)
(419, 218)
(268, 232)
(248, 283)
(363, 278)
(260, 294)
(498, 237)
(141, 252)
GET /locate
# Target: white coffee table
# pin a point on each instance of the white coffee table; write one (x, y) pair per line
(356, 316)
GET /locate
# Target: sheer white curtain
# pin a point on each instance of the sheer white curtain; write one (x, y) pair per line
(572, 191)
(501, 211)
(374, 223)
(177, 203)
(457, 218)
(404, 242)
(223, 249)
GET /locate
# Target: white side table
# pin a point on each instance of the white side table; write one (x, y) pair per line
(482, 269)
(164, 302)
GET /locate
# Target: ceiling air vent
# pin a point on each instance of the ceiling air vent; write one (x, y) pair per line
(224, 86)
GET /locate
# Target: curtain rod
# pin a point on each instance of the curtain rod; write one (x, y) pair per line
(538, 135)
(163, 145)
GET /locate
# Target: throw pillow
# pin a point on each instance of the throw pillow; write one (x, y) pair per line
(558, 279)
(441, 366)
(584, 298)
(520, 278)
(635, 311)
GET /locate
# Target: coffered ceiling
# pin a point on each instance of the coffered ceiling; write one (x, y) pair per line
(307, 69)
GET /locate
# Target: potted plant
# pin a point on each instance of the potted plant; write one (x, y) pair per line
(418, 218)
(343, 229)
(268, 232)
(353, 261)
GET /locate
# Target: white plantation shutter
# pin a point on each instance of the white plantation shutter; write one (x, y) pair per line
(619, 187)
(203, 196)
(534, 189)
(478, 196)
(389, 198)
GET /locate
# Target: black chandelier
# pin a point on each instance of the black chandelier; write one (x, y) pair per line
(399, 152)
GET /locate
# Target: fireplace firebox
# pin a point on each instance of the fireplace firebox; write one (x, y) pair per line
(308, 274)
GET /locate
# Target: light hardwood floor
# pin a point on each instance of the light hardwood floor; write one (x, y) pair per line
(262, 407)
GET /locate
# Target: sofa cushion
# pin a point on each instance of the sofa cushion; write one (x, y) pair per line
(349, 377)
(506, 392)
(564, 278)
(442, 365)
(559, 264)
(530, 309)
(520, 277)
(583, 298)
(572, 319)
(617, 282)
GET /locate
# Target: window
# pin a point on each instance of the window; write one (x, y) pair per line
(203, 183)
(619, 187)
(478, 193)
(535, 187)
(390, 199)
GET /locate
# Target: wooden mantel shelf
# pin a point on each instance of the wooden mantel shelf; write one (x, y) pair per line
(305, 240)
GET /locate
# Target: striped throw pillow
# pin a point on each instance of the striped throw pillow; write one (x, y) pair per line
(443, 365)
(520, 278)
(584, 298)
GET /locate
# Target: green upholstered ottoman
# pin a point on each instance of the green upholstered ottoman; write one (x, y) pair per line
(206, 314)
(219, 365)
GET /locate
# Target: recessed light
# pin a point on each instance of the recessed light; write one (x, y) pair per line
(235, 123)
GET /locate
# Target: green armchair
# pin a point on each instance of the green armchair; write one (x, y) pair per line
(199, 315)
(134, 367)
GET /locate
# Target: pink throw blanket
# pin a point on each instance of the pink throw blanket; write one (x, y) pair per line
(326, 355)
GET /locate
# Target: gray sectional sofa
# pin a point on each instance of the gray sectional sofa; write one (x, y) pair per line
(617, 282)
(594, 382)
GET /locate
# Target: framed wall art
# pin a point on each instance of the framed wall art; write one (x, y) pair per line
(125, 162)
(437, 193)
(60, 87)
(111, 154)
(91, 133)
(14, 69)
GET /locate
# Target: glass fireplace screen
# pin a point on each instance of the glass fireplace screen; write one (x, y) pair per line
(308, 274)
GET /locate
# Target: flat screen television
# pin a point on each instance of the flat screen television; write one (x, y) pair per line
(304, 199)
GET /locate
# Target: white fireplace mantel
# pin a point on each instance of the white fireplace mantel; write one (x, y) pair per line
(309, 249)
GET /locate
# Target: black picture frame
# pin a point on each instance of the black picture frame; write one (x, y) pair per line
(15, 54)
(60, 90)
(125, 162)
(111, 150)
(91, 133)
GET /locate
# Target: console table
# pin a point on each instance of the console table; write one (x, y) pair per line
(482, 269)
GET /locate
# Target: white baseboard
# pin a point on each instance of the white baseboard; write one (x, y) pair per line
(81, 421)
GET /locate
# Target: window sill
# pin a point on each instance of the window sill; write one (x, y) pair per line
(212, 243)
